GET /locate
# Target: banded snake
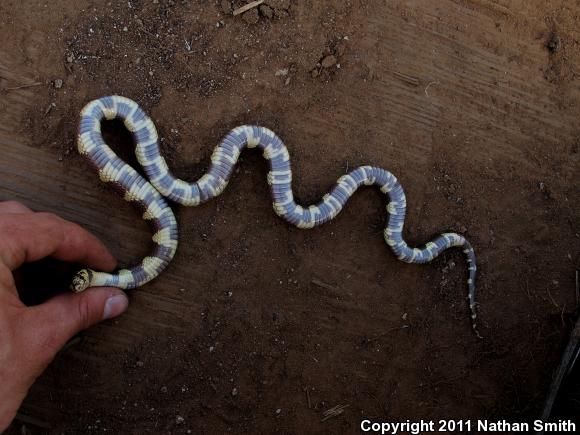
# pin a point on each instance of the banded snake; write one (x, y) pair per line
(150, 195)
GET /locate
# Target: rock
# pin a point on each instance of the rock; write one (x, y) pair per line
(58, 83)
(282, 72)
(70, 58)
(235, 392)
(251, 17)
(179, 419)
(329, 61)
(267, 11)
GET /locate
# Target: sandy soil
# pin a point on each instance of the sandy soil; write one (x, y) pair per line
(257, 326)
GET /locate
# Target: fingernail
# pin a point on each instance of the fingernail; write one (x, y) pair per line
(114, 306)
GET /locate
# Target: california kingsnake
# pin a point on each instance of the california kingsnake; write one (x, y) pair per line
(149, 195)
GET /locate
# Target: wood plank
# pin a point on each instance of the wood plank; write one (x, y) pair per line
(451, 96)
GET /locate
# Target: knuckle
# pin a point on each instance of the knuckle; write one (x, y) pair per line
(84, 312)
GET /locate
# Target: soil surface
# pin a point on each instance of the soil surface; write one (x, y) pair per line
(258, 326)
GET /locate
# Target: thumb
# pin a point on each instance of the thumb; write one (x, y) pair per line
(63, 316)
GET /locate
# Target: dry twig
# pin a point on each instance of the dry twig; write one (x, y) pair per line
(413, 81)
(335, 411)
(13, 88)
(322, 284)
(247, 7)
(428, 85)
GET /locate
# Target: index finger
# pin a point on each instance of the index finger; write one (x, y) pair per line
(30, 237)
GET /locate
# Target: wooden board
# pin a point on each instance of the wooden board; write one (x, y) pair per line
(462, 100)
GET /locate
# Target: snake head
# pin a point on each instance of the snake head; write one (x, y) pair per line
(81, 280)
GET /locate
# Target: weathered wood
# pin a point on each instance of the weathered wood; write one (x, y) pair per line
(451, 96)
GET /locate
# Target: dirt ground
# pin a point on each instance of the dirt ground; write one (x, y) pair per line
(257, 326)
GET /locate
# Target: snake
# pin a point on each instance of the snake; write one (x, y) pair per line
(150, 195)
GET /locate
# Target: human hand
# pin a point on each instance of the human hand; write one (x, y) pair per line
(30, 337)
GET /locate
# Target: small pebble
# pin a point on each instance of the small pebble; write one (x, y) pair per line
(179, 419)
(139, 363)
(70, 58)
(49, 108)
(164, 389)
(329, 61)
(58, 83)
(235, 392)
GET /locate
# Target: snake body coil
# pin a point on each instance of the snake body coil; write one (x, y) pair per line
(150, 195)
